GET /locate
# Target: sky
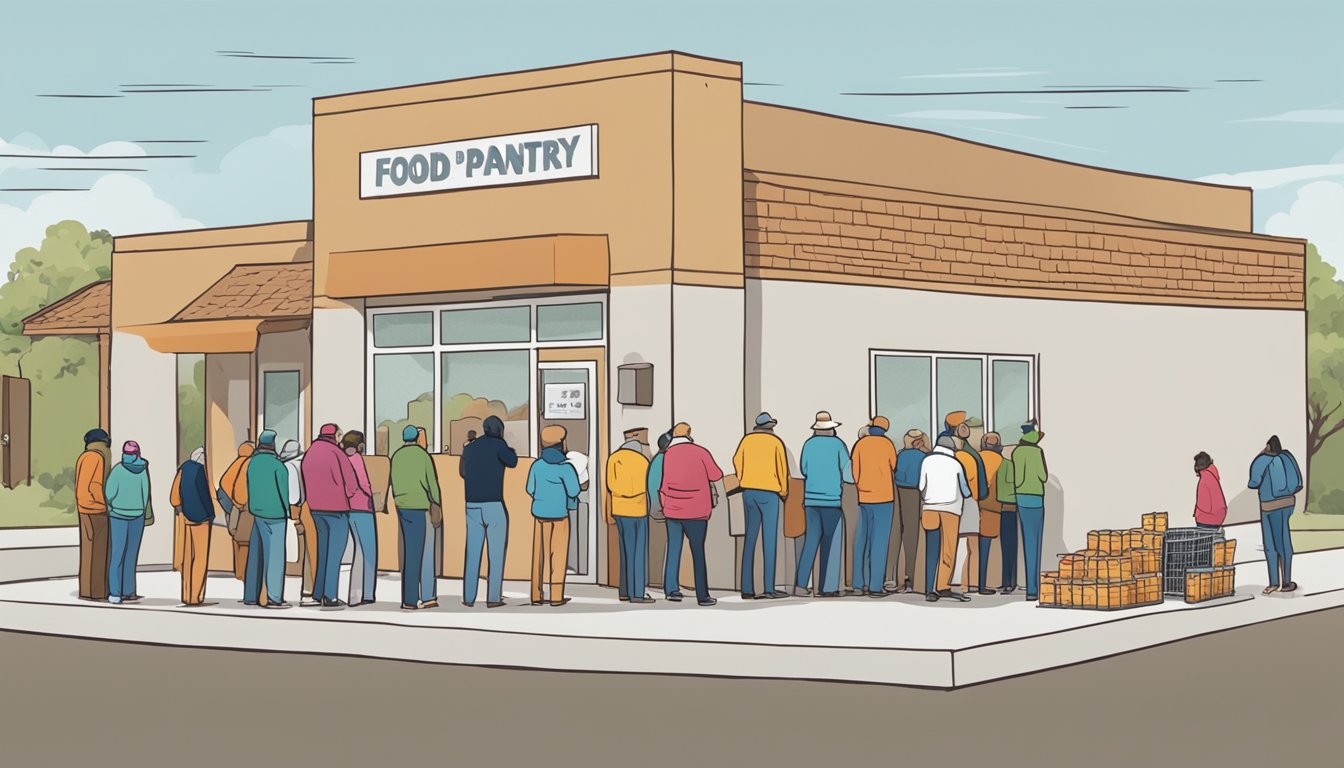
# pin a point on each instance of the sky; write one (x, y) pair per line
(147, 116)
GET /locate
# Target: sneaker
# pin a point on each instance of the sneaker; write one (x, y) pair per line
(802, 592)
(406, 607)
(560, 602)
(538, 602)
(429, 604)
(254, 603)
(906, 588)
(327, 602)
(500, 604)
(878, 595)
(748, 595)
(642, 600)
(931, 597)
(133, 598)
(773, 595)
(1008, 590)
(280, 604)
(1032, 598)
(986, 591)
(1289, 587)
(708, 602)
(468, 605)
(675, 597)
(625, 598)
(829, 594)
(116, 599)
(307, 602)
(890, 586)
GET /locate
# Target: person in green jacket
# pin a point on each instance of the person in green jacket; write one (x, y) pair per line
(1029, 477)
(1005, 487)
(415, 487)
(268, 500)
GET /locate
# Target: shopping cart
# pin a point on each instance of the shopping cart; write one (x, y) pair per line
(1182, 550)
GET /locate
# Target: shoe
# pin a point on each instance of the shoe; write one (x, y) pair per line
(1289, 587)
(829, 594)
(852, 592)
(468, 605)
(879, 595)
(133, 598)
(406, 607)
(642, 600)
(931, 597)
(254, 603)
(370, 601)
(625, 599)
(307, 602)
(674, 597)
(748, 595)
(960, 597)
(278, 605)
(116, 599)
(429, 604)
(1032, 598)
(986, 591)
(802, 592)
(327, 602)
(560, 602)
(1271, 589)
(777, 594)
(708, 601)
(1008, 590)
(538, 602)
(906, 588)
(500, 604)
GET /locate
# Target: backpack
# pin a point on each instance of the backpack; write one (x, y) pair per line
(1292, 475)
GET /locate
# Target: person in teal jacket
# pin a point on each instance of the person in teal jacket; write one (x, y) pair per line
(553, 484)
(1029, 477)
(826, 466)
(268, 500)
(1277, 478)
(127, 493)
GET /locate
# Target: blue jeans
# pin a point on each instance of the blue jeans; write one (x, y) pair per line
(333, 528)
(985, 544)
(126, 534)
(265, 561)
(822, 525)
(672, 562)
(1031, 513)
(694, 532)
(1008, 547)
(487, 526)
(364, 568)
(1278, 544)
(762, 518)
(870, 546)
(633, 533)
(412, 522)
(429, 578)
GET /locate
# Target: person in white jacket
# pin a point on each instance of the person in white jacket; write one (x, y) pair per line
(943, 490)
(290, 455)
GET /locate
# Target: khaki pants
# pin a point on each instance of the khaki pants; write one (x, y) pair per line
(195, 559)
(179, 541)
(950, 524)
(93, 556)
(309, 554)
(550, 557)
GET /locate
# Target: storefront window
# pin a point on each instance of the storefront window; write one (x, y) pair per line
(280, 404)
(961, 387)
(569, 322)
(1011, 382)
(190, 405)
(403, 329)
(476, 385)
(904, 392)
(403, 393)
(493, 325)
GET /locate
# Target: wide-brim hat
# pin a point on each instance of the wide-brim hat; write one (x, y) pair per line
(824, 421)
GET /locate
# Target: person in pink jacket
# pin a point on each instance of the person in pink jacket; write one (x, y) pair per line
(329, 484)
(688, 474)
(364, 564)
(1210, 504)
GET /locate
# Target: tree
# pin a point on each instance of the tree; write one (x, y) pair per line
(1325, 373)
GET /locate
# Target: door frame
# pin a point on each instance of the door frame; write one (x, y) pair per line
(596, 491)
(295, 369)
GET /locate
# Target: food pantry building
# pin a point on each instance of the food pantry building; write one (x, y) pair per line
(629, 243)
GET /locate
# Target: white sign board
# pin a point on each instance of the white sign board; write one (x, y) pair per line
(520, 158)
(565, 401)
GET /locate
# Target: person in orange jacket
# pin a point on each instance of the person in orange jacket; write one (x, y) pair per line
(874, 467)
(232, 495)
(90, 475)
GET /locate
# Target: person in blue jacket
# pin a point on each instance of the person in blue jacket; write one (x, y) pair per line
(826, 467)
(197, 508)
(553, 484)
(1277, 477)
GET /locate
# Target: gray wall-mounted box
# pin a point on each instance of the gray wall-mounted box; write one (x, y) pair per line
(634, 384)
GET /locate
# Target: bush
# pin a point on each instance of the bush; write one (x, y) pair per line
(1331, 503)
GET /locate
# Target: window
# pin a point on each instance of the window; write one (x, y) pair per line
(190, 405)
(476, 385)
(493, 325)
(280, 404)
(403, 329)
(569, 322)
(403, 394)
(918, 389)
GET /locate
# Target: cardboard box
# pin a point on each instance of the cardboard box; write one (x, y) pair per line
(1073, 566)
(1107, 542)
(1049, 593)
(1209, 583)
(1155, 521)
(1132, 538)
(1224, 553)
(1146, 561)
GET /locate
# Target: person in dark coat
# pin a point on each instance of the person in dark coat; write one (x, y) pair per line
(482, 469)
(198, 514)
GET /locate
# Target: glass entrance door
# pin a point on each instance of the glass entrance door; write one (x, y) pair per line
(566, 396)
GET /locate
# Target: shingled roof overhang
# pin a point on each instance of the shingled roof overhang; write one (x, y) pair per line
(87, 311)
(250, 300)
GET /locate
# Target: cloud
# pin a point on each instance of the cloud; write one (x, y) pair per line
(964, 114)
(1277, 177)
(27, 146)
(1300, 116)
(120, 204)
(1318, 215)
(266, 178)
(975, 73)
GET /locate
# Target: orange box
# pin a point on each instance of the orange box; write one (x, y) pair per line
(1224, 553)
(1072, 566)
(1155, 521)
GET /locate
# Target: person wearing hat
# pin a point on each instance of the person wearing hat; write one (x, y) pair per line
(991, 510)
(415, 486)
(686, 492)
(874, 459)
(268, 501)
(484, 461)
(905, 525)
(1029, 478)
(329, 482)
(762, 469)
(128, 503)
(553, 483)
(943, 490)
(628, 509)
(826, 467)
(196, 511)
(91, 470)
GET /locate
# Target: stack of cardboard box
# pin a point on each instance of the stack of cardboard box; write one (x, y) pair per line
(1219, 581)
(1119, 569)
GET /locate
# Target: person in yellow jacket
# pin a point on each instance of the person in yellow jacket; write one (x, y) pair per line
(628, 510)
(874, 466)
(763, 475)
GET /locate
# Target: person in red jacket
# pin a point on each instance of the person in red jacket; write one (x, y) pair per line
(1210, 504)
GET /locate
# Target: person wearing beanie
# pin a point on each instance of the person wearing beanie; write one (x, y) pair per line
(329, 483)
(686, 491)
(943, 490)
(364, 563)
(1029, 478)
(232, 496)
(627, 483)
(905, 523)
(874, 461)
(415, 486)
(128, 503)
(826, 468)
(554, 485)
(268, 501)
(762, 468)
(990, 522)
(484, 461)
(1277, 479)
(91, 470)
(196, 511)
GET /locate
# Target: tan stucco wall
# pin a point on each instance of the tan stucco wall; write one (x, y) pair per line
(144, 392)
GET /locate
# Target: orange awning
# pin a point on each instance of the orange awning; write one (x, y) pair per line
(524, 262)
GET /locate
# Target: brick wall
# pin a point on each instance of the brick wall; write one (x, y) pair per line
(814, 229)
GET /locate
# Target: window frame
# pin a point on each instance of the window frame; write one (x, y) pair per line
(986, 359)
(262, 371)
